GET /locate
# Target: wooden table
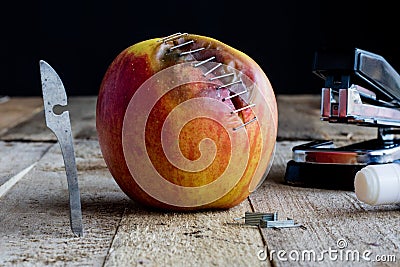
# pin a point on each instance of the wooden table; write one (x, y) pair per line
(34, 218)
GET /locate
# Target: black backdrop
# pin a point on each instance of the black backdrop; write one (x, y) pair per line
(81, 38)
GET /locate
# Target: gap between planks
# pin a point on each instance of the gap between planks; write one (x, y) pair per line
(117, 232)
(18, 110)
(329, 215)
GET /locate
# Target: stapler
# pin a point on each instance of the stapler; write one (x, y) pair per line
(361, 88)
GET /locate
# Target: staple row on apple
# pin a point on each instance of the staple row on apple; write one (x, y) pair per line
(179, 35)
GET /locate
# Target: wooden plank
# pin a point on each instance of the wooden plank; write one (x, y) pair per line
(329, 217)
(14, 157)
(186, 239)
(82, 114)
(35, 225)
(18, 109)
(299, 119)
(34, 218)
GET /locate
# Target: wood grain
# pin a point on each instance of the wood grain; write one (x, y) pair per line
(34, 219)
(82, 115)
(17, 110)
(34, 222)
(35, 226)
(329, 216)
(14, 157)
(299, 119)
(209, 238)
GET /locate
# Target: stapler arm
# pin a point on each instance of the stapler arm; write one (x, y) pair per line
(361, 88)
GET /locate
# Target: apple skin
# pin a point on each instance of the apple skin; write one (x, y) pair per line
(140, 62)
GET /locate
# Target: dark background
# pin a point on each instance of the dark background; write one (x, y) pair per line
(79, 39)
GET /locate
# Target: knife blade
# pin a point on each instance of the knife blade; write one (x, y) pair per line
(54, 95)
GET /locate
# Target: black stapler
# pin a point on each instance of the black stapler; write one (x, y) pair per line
(361, 88)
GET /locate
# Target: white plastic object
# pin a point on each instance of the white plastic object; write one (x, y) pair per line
(378, 184)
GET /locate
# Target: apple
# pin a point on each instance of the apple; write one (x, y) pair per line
(186, 123)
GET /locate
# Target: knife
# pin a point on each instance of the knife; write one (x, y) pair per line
(54, 95)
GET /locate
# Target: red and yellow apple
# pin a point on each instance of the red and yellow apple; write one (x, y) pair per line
(186, 123)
